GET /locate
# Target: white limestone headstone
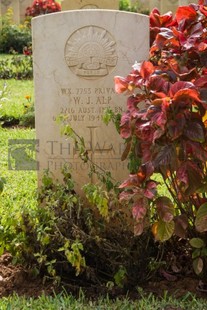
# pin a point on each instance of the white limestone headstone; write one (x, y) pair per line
(89, 4)
(76, 56)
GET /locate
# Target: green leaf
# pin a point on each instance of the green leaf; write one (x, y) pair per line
(166, 156)
(197, 243)
(107, 116)
(165, 230)
(2, 182)
(120, 276)
(2, 249)
(196, 253)
(198, 265)
(201, 218)
(204, 252)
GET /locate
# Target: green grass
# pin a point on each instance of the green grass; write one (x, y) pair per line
(14, 102)
(20, 186)
(5, 56)
(68, 302)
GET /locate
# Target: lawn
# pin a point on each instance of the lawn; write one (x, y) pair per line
(20, 187)
(15, 97)
(66, 302)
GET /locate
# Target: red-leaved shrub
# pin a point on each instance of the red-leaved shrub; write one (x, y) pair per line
(165, 126)
(40, 7)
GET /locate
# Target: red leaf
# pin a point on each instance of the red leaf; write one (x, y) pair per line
(195, 131)
(125, 196)
(132, 181)
(163, 36)
(146, 153)
(150, 189)
(201, 82)
(196, 30)
(139, 209)
(146, 170)
(132, 103)
(181, 225)
(185, 13)
(157, 134)
(165, 209)
(154, 18)
(165, 157)
(125, 127)
(195, 149)
(146, 70)
(121, 84)
(202, 47)
(144, 131)
(179, 86)
(157, 20)
(185, 94)
(160, 119)
(189, 176)
(175, 127)
(203, 8)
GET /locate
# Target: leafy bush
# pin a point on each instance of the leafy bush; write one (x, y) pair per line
(125, 5)
(16, 67)
(61, 238)
(40, 7)
(14, 37)
(166, 117)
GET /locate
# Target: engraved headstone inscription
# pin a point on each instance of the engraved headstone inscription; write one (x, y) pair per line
(89, 4)
(76, 56)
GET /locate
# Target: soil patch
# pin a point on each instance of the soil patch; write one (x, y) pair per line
(15, 279)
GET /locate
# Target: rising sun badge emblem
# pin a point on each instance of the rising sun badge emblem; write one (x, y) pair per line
(90, 52)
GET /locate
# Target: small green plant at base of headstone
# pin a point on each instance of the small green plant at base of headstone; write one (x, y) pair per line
(166, 114)
(103, 176)
(95, 193)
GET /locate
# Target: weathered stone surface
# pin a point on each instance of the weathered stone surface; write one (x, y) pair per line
(76, 56)
(89, 4)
